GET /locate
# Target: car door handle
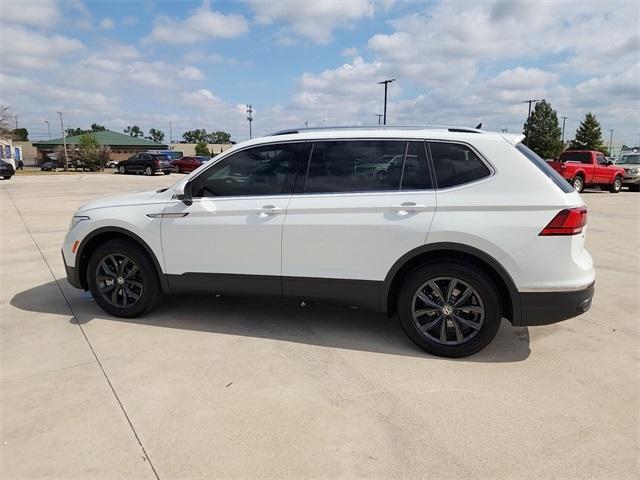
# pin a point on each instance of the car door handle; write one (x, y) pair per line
(268, 210)
(407, 207)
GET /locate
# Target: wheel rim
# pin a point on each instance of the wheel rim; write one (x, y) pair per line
(176, 169)
(448, 311)
(617, 184)
(121, 169)
(119, 280)
(147, 170)
(577, 183)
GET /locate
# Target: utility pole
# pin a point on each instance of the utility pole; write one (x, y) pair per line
(48, 128)
(170, 135)
(564, 119)
(64, 143)
(610, 142)
(379, 115)
(386, 84)
(16, 122)
(250, 118)
(526, 135)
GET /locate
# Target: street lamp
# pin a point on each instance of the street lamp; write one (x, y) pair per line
(564, 119)
(250, 118)
(386, 85)
(48, 128)
(610, 142)
(64, 143)
(379, 115)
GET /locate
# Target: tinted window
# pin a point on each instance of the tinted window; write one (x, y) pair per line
(582, 157)
(355, 166)
(601, 159)
(415, 175)
(266, 170)
(456, 164)
(545, 168)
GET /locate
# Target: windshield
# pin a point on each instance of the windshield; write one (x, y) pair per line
(629, 159)
(554, 176)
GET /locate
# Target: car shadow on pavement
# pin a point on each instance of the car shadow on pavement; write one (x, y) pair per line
(276, 319)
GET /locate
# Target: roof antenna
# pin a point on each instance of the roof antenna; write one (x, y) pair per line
(479, 126)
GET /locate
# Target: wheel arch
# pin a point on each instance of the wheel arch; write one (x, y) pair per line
(452, 251)
(97, 237)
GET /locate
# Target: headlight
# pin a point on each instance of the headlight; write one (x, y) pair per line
(634, 171)
(77, 219)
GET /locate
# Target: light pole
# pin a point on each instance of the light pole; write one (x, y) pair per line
(610, 142)
(379, 115)
(64, 143)
(250, 118)
(386, 85)
(564, 119)
(48, 128)
(526, 134)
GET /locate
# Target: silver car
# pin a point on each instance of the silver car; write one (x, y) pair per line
(631, 164)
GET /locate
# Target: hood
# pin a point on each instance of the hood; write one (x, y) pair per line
(123, 200)
(628, 166)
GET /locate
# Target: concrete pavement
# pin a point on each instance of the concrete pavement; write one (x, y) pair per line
(207, 387)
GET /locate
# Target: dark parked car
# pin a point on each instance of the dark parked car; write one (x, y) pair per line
(49, 166)
(147, 163)
(6, 170)
(188, 164)
(80, 165)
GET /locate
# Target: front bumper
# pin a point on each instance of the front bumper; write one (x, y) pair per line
(7, 171)
(631, 180)
(543, 308)
(73, 276)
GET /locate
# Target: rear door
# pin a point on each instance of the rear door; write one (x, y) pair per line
(348, 222)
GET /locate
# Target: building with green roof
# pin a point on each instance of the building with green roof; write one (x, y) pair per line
(122, 146)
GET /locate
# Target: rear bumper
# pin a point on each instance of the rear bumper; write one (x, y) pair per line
(543, 308)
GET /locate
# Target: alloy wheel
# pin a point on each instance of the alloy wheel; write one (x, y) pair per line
(447, 310)
(119, 280)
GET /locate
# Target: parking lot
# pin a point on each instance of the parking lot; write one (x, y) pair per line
(217, 387)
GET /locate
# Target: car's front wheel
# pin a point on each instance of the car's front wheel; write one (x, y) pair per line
(616, 186)
(176, 169)
(122, 169)
(449, 309)
(148, 170)
(123, 279)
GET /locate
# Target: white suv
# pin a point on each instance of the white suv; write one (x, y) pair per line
(451, 229)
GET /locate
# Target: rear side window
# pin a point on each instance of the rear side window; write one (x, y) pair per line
(415, 175)
(545, 168)
(582, 157)
(355, 166)
(456, 164)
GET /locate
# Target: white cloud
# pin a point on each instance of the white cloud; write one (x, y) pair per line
(106, 23)
(521, 78)
(316, 19)
(40, 13)
(350, 52)
(24, 48)
(190, 73)
(203, 24)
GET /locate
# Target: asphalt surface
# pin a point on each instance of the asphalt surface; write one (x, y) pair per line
(251, 388)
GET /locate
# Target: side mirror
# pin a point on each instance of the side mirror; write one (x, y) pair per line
(184, 192)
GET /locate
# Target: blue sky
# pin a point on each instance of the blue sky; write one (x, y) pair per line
(197, 63)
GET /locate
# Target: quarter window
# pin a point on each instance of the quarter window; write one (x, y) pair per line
(265, 170)
(456, 164)
(355, 166)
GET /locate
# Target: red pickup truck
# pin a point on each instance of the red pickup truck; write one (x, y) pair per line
(588, 167)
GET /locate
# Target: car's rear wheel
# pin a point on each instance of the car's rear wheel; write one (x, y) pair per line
(176, 169)
(122, 169)
(449, 309)
(148, 170)
(123, 279)
(616, 186)
(578, 183)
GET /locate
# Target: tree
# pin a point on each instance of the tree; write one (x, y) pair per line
(202, 150)
(195, 136)
(89, 150)
(97, 128)
(156, 135)
(219, 137)
(544, 131)
(6, 120)
(134, 131)
(588, 135)
(72, 132)
(21, 134)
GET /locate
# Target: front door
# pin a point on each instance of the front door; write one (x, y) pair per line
(364, 203)
(229, 238)
(602, 172)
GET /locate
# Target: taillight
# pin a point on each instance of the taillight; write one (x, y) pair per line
(567, 222)
(157, 162)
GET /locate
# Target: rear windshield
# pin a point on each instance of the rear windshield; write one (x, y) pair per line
(545, 168)
(582, 157)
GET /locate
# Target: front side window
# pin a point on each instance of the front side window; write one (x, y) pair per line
(355, 166)
(264, 170)
(456, 164)
(601, 159)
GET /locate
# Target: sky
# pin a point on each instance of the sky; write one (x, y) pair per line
(197, 64)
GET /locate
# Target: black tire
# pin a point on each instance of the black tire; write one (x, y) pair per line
(148, 170)
(578, 183)
(7, 177)
(122, 169)
(149, 292)
(176, 169)
(616, 186)
(484, 295)
(167, 173)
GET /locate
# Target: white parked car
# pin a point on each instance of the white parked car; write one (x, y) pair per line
(469, 228)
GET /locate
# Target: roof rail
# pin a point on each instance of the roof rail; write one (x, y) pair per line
(292, 131)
